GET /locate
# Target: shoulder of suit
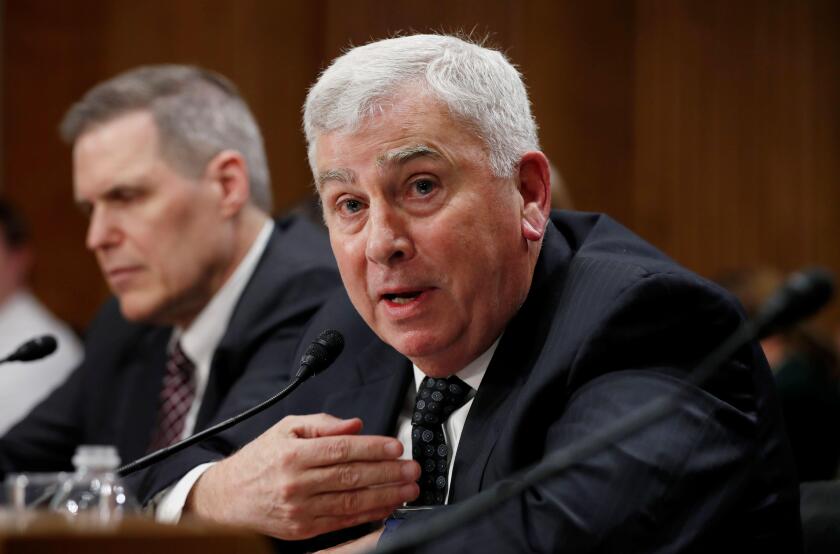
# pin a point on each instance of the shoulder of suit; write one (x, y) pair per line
(296, 240)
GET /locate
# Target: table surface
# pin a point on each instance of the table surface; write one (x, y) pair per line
(36, 532)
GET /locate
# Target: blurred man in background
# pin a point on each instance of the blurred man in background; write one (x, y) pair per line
(23, 317)
(210, 294)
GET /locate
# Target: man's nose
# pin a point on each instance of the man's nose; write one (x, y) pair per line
(389, 238)
(102, 231)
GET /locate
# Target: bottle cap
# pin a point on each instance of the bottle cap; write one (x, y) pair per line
(96, 457)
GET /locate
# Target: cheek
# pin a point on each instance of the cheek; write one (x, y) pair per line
(481, 259)
(351, 264)
(174, 258)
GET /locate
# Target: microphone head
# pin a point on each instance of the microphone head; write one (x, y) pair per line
(802, 295)
(34, 349)
(321, 353)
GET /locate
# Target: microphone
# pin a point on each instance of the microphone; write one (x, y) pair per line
(33, 349)
(319, 355)
(801, 296)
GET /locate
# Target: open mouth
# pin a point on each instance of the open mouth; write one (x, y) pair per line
(120, 272)
(402, 297)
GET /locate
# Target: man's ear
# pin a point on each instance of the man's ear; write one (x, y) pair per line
(535, 189)
(229, 172)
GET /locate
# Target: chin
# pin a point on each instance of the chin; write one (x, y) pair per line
(133, 309)
(416, 345)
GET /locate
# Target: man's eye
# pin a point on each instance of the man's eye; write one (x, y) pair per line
(423, 187)
(125, 195)
(350, 206)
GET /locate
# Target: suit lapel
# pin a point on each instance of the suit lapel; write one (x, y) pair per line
(264, 305)
(247, 322)
(138, 414)
(494, 399)
(515, 358)
(384, 375)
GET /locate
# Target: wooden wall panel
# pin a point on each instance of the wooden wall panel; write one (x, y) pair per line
(354, 23)
(578, 61)
(712, 128)
(52, 52)
(736, 133)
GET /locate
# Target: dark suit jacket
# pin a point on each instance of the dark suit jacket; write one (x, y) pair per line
(112, 398)
(609, 324)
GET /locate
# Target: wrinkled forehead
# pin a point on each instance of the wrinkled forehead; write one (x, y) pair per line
(409, 129)
(392, 158)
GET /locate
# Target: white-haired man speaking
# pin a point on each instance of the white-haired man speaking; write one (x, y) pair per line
(503, 331)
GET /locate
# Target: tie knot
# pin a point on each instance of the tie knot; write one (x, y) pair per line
(437, 398)
(178, 360)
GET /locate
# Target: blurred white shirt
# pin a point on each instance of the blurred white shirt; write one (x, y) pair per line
(24, 384)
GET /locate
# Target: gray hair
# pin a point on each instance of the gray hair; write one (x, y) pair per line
(198, 114)
(478, 85)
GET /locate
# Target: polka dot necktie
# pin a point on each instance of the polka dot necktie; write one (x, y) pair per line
(435, 401)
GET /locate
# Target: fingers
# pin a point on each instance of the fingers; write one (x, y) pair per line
(357, 475)
(328, 451)
(313, 474)
(318, 425)
(362, 501)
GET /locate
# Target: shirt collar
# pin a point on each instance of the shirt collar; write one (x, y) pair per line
(200, 339)
(472, 374)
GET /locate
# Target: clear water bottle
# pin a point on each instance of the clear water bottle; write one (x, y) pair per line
(94, 492)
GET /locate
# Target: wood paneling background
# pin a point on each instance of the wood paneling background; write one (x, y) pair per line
(711, 127)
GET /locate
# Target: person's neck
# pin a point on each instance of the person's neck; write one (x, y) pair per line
(247, 228)
(447, 364)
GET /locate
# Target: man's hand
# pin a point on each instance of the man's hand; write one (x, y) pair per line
(305, 476)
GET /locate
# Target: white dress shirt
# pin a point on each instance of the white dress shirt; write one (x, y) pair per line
(24, 384)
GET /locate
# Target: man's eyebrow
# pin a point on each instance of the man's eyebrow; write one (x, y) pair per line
(116, 192)
(340, 175)
(403, 155)
(392, 157)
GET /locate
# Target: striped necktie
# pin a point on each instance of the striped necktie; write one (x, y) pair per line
(176, 398)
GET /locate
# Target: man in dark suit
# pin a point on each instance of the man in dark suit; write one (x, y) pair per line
(211, 295)
(502, 333)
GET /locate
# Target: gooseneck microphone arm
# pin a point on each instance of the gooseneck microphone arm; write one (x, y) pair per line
(801, 296)
(318, 356)
(33, 349)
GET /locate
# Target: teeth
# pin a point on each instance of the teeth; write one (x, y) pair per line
(402, 298)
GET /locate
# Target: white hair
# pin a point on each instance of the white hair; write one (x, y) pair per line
(478, 85)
